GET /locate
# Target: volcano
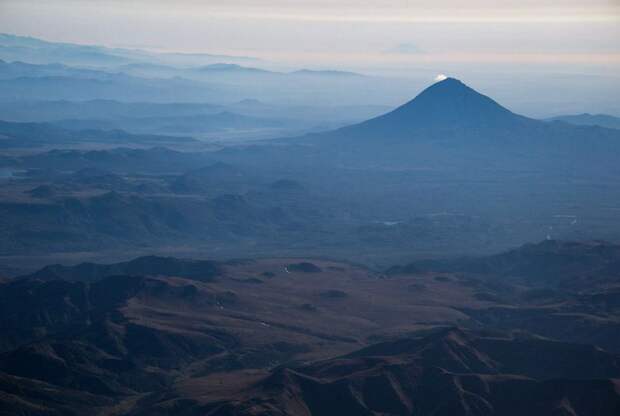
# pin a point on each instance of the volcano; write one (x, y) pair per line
(446, 108)
(449, 103)
(450, 123)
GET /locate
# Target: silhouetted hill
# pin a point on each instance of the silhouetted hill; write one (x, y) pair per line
(142, 266)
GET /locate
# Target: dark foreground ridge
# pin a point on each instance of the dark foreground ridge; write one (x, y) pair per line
(143, 266)
(291, 336)
(446, 373)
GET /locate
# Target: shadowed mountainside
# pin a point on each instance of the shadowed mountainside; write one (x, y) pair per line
(447, 373)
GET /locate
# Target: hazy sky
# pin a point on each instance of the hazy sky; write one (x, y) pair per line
(468, 38)
(342, 32)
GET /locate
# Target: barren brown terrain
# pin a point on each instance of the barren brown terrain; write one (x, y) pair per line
(289, 335)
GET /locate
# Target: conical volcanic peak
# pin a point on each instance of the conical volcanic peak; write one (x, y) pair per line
(450, 103)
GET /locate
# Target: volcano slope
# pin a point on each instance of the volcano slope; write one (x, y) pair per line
(247, 337)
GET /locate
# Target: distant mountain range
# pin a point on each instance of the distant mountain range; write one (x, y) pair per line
(602, 120)
(246, 119)
(37, 51)
(26, 56)
(33, 69)
(161, 99)
(20, 81)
